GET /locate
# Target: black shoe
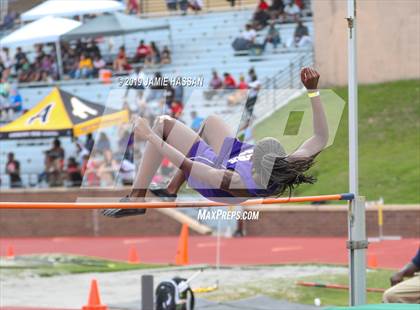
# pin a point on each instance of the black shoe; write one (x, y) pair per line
(117, 213)
(162, 193)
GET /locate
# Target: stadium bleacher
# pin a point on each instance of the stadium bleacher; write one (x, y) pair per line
(200, 43)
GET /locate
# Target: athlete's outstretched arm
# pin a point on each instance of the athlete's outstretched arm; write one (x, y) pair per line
(318, 141)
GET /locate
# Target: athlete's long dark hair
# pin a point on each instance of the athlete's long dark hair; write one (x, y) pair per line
(276, 171)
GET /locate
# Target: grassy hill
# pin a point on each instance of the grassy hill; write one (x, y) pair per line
(389, 144)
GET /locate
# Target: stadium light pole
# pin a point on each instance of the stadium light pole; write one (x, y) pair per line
(357, 242)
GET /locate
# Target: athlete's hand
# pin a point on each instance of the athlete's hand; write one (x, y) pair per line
(142, 129)
(309, 78)
(396, 278)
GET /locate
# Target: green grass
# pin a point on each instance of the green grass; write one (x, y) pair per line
(51, 265)
(286, 289)
(389, 144)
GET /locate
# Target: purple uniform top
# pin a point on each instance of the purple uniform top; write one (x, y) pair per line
(234, 155)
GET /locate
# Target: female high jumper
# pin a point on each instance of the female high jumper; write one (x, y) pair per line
(219, 166)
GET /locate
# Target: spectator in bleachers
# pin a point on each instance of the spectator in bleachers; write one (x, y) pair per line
(291, 11)
(172, 5)
(232, 2)
(16, 102)
(74, 175)
(9, 20)
(169, 96)
(133, 7)
(103, 145)
(127, 172)
(57, 152)
(13, 170)
(263, 5)
(138, 78)
(215, 84)
(121, 62)
(276, 9)
(153, 57)
(301, 36)
(157, 89)
(165, 56)
(273, 36)
(19, 59)
(240, 94)
(89, 143)
(85, 68)
(142, 52)
(7, 62)
(98, 65)
(195, 5)
(176, 109)
(254, 88)
(229, 82)
(260, 19)
(183, 6)
(249, 34)
(196, 121)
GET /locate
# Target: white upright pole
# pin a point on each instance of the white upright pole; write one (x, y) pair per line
(357, 242)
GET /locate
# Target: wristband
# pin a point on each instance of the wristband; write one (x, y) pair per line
(313, 94)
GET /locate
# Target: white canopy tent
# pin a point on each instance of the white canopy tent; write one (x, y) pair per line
(66, 8)
(45, 30)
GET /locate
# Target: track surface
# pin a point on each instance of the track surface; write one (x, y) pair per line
(234, 251)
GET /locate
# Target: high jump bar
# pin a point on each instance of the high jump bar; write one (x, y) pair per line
(175, 204)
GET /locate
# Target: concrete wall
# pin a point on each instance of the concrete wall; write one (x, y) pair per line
(388, 40)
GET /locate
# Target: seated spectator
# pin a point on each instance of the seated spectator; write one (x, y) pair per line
(127, 172)
(169, 96)
(405, 291)
(262, 5)
(273, 36)
(13, 170)
(121, 62)
(196, 121)
(165, 56)
(195, 5)
(103, 145)
(291, 12)
(154, 56)
(301, 36)
(85, 69)
(260, 19)
(239, 95)
(276, 9)
(19, 59)
(16, 102)
(8, 21)
(172, 5)
(249, 34)
(229, 81)
(215, 83)
(133, 7)
(246, 40)
(142, 52)
(74, 175)
(183, 6)
(106, 169)
(98, 65)
(176, 109)
(7, 62)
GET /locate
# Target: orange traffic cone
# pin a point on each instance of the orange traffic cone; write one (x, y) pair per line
(372, 261)
(182, 251)
(10, 252)
(94, 302)
(133, 255)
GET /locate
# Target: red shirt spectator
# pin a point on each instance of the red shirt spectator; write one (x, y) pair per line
(142, 51)
(229, 81)
(263, 5)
